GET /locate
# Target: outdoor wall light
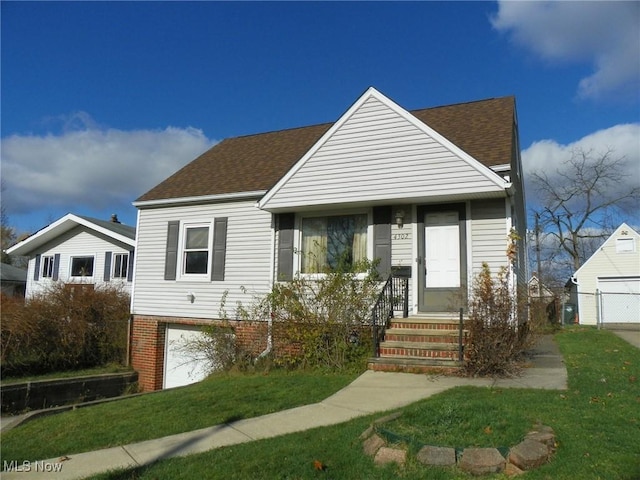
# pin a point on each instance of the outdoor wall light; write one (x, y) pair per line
(400, 218)
(191, 297)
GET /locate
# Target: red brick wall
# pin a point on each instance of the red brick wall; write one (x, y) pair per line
(147, 351)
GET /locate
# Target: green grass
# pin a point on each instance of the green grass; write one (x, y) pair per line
(597, 423)
(221, 398)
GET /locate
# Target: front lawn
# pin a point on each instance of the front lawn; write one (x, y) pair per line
(221, 398)
(597, 423)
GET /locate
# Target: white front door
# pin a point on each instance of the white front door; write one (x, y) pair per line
(442, 250)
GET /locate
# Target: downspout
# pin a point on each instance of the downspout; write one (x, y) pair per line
(272, 272)
(267, 350)
(128, 357)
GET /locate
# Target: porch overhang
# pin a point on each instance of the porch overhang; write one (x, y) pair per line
(390, 200)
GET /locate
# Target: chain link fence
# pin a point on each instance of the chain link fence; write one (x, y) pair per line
(617, 307)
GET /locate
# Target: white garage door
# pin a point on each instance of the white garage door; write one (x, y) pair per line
(182, 366)
(620, 299)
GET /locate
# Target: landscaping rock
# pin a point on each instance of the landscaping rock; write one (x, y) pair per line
(387, 418)
(546, 438)
(437, 456)
(529, 454)
(481, 461)
(390, 455)
(372, 444)
(367, 433)
(511, 470)
(538, 427)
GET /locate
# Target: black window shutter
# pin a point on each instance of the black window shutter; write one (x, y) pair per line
(219, 248)
(36, 268)
(285, 225)
(171, 254)
(130, 267)
(107, 266)
(382, 239)
(56, 266)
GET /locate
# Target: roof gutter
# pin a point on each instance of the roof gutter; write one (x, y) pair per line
(164, 202)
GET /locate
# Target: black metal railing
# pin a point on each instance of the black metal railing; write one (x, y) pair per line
(460, 336)
(394, 296)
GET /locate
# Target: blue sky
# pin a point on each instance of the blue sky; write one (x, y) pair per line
(103, 100)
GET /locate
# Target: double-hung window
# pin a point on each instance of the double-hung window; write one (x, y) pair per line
(120, 265)
(196, 249)
(333, 241)
(47, 267)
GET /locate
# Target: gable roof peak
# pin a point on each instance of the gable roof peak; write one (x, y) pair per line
(256, 162)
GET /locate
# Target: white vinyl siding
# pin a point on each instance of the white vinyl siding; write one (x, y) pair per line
(489, 235)
(247, 263)
(78, 242)
(379, 155)
(402, 244)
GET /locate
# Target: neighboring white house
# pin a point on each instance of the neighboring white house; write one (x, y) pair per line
(538, 290)
(607, 286)
(434, 192)
(78, 249)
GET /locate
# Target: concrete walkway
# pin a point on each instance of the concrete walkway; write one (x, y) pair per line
(370, 393)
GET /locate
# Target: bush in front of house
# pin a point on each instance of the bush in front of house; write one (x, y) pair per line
(323, 320)
(497, 334)
(313, 321)
(67, 327)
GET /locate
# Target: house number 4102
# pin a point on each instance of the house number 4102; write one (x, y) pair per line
(400, 236)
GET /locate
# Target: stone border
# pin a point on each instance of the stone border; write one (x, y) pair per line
(535, 450)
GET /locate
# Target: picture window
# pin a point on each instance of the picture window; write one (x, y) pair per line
(82, 267)
(332, 242)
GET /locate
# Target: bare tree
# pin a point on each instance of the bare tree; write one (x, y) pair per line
(582, 202)
(8, 234)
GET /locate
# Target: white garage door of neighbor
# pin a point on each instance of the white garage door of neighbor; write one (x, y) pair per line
(180, 366)
(620, 299)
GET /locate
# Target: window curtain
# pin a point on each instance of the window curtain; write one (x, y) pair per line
(360, 238)
(327, 241)
(314, 244)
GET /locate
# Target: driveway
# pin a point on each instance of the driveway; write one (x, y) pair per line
(631, 335)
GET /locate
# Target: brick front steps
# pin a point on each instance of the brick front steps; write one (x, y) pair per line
(420, 344)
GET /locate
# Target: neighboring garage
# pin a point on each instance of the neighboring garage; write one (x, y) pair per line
(182, 366)
(606, 288)
(619, 300)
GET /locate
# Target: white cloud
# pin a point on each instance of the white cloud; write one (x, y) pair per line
(92, 167)
(605, 34)
(548, 155)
